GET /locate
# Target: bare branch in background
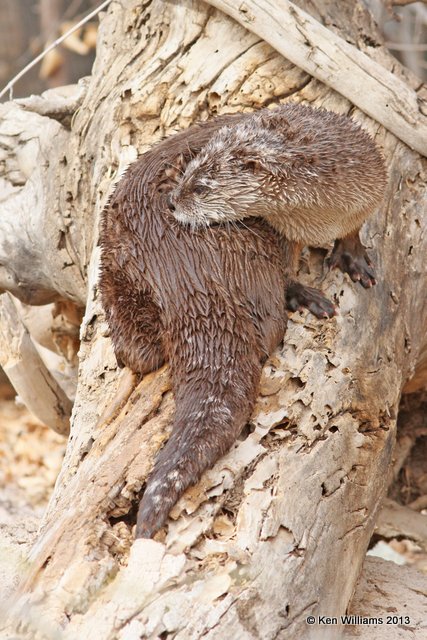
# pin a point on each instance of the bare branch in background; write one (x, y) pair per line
(10, 85)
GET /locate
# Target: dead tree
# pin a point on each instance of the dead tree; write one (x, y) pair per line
(278, 530)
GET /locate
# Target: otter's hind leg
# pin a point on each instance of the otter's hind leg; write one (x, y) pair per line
(350, 256)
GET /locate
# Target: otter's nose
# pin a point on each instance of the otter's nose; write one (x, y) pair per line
(170, 202)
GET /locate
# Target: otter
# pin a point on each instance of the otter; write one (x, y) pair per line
(210, 302)
(313, 175)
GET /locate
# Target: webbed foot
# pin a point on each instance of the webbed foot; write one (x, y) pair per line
(350, 256)
(298, 296)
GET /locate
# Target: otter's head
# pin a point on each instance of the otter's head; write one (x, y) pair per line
(218, 185)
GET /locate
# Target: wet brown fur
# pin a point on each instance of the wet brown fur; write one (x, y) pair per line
(211, 302)
(312, 174)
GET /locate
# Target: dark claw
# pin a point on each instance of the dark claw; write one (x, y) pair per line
(299, 296)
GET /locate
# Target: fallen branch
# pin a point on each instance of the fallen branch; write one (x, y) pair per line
(27, 372)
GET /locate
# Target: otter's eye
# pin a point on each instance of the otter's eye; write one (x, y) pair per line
(200, 189)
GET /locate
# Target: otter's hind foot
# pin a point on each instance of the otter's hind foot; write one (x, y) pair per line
(298, 296)
(350, 256)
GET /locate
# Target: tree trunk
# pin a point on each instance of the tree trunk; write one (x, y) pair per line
(278, 529)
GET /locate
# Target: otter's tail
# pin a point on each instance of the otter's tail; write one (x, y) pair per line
(209, 417)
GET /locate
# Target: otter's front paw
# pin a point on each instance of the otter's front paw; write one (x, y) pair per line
(351, 258)
(299, 296)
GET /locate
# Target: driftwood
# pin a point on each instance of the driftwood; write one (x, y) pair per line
(278, 530)
(28, 373)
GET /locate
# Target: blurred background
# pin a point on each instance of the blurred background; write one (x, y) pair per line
(404, 27)
(29, 26)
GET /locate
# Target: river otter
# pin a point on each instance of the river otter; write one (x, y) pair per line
(312, 174)
(210, 302)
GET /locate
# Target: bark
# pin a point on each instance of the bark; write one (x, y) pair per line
(278, 530)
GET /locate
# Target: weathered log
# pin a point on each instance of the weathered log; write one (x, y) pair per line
(29, 375)
(279, 528)
(38, 236)
(395, 595)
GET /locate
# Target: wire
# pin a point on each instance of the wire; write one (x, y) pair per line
(9, 86)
